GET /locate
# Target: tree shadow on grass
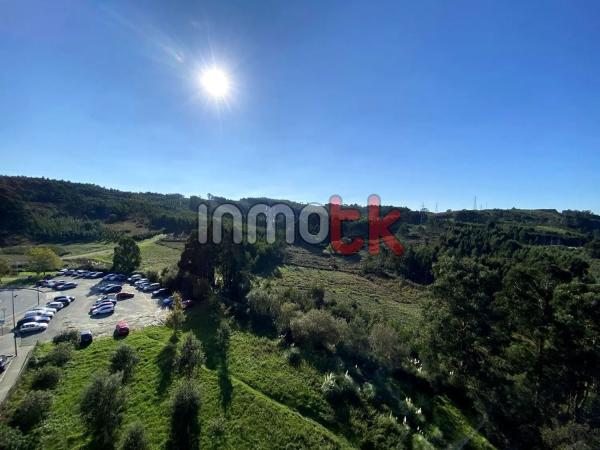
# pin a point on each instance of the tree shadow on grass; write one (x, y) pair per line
(225, 386)
(165, 361)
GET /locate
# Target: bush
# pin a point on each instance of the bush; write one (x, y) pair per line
(45, 378)
(124, 360)
(71, 336)
(385, 433)
(13, 439)
(294, 356)
(31, 410)
(102, 406)
(191, 356)
(317, 328)
(135, 438)
(60, 355)
(185, 405)
(339, 387)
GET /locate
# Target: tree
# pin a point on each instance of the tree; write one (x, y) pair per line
(135, 438)
(386, 345)
(191, 355)
(4, 269)
(317, 328)
(127, 257)
(176, 317)
(124, 360)
(185, 406)
(43, 259)
(102, 406)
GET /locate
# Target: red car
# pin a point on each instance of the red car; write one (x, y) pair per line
(122, 328)
(124, 295)
(187, 304)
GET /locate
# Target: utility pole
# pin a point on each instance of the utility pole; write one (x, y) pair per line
(14, 322)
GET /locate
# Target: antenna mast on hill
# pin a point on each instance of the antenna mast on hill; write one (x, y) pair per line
(475, 203)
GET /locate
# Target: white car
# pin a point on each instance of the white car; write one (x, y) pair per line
(33, 326)
(39, 312)
(46, 309)
(104, 309)
(55, 305)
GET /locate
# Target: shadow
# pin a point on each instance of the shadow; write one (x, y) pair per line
(165, 361)
(225, 386)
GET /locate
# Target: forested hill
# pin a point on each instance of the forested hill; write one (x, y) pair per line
(44, 210)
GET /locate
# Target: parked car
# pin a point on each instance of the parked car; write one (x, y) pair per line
(135, 277)
(56, 305)
(108, 276)
(151, 287)
(38, 313)
(141, 281)
(124, 295)
(46, 309)
(63, 298)
(187, 304)
(122, 328)
(141, 287)
(85, 338)
(107, 300)
(65, 286)
(167, 302)
(3, 363)
(41, 311)
(31, 327)
(111, 288)
(161, 292)
(103, 309)
(37, 319)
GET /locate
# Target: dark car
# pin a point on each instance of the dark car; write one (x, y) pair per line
(161, 292)
(38, 319)
(3, 362)
(65, 286)
(64, 299)
(85, 338)
(124, 295)
(111, 289)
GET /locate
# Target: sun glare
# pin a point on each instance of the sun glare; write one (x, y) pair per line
(215, 82)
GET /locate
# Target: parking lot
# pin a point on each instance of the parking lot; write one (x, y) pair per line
(139, 311)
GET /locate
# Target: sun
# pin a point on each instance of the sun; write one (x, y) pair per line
(215, 82)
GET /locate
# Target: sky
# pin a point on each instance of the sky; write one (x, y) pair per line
(423, 103)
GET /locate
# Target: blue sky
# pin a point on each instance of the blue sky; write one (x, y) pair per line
(419, 102)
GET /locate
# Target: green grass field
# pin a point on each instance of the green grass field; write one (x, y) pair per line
(258, 401)
(392, 298)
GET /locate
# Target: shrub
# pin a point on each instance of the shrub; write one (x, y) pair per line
(102, 406)
(294, 356)
(185, 405)
(135, 438)
(339, 387)
(152, 276)
(317, 328)
(71, 336)
(419, 442)
(45, 378)
(385, 433)
(31, 410)
(124, 360)
(223, 336)
(60, 355)
(191, 356)
(13, 439)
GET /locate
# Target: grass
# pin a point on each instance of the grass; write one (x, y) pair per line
(256, 400)
(390, 298)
